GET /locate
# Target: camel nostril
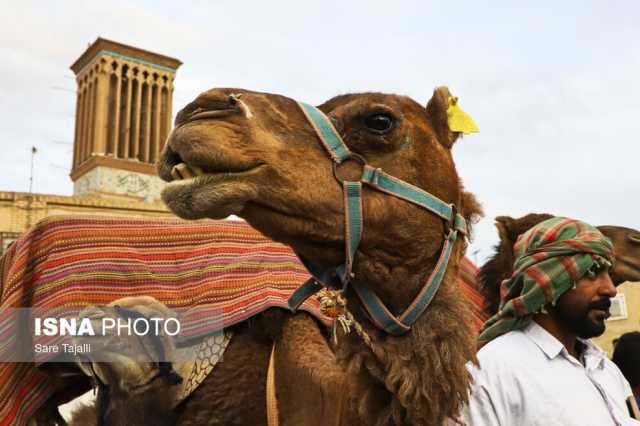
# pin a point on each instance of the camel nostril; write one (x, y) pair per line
(635, 238)
(172, 158)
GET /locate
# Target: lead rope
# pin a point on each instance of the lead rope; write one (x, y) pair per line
(272, 400)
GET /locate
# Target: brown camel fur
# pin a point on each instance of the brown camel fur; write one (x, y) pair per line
(256, 156)
(306, 370)
(136, 399)
(626, 242)
(131, 404)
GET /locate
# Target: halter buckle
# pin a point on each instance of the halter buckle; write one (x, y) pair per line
(352, 157)
(450, 225)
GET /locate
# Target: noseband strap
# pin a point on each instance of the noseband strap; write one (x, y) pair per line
(342, 275)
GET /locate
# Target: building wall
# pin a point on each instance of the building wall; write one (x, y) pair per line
(19, 210)
(117, 181)
(124, 103)
(630, 322)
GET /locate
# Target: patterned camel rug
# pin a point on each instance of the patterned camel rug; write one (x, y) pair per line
(72, 262)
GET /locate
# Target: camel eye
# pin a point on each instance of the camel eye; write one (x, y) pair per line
(379, 122)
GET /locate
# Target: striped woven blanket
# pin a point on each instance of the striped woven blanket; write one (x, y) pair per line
(73, 262)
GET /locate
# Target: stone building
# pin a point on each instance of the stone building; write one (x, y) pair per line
(123, 116)
(625, 315)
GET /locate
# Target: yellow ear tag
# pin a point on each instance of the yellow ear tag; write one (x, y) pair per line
(458, 120)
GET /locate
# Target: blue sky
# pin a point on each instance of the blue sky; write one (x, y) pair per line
(552, 85)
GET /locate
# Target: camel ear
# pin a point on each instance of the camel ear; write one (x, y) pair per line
(446, 117)
(437, 114)
(506, 229)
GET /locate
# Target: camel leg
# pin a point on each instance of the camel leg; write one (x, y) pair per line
(310, 387)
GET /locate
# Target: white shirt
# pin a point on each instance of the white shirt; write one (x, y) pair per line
(527, 377)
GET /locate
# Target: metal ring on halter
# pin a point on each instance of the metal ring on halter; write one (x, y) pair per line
(453, 226)
(354, 157)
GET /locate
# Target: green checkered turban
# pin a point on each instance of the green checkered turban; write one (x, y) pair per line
(550, 258)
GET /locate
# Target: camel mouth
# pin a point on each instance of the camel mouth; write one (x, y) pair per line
(173, 167)
(184, 171)
(193, 177)
(207, 184)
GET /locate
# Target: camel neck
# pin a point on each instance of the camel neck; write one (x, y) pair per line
(387, 278)
(391, 367)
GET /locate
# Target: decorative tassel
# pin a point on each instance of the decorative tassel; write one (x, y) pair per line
(334, 305)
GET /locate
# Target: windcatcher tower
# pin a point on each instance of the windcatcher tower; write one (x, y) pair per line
(123, 117)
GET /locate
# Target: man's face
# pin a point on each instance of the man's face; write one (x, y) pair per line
(584, 308)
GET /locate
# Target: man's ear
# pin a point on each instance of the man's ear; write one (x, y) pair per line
(437, 114)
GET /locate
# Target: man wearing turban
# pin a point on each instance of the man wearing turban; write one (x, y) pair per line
(537, 365)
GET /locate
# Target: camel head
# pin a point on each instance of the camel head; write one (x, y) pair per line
(126, 362)
(135, 386)
(255, 155)
(626, 242)
(259, 156)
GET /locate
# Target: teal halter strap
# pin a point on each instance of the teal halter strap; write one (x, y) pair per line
(341, 276)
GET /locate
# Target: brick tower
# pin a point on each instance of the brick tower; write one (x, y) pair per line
(123, 117)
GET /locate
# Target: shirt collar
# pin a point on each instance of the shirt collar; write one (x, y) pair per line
(543, 339)
(593, 356)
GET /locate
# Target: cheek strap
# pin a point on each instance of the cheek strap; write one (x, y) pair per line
(342, 275)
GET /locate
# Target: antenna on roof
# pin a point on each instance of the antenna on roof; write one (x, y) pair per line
(34, 150)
